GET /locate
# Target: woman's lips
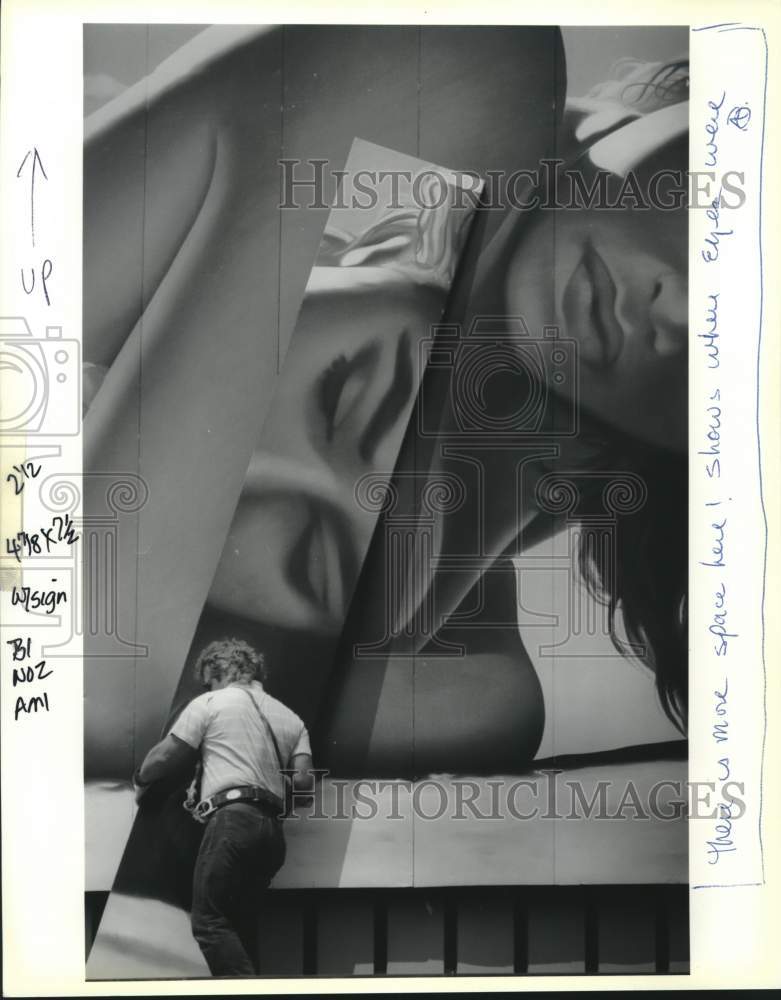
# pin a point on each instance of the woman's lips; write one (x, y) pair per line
(588, 305)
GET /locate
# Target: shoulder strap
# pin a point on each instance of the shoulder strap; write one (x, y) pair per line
(267, 724)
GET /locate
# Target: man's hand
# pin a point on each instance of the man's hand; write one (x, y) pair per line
(302, 780)
(138, 786)
(168, 757)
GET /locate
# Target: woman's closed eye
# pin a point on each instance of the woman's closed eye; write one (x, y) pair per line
(343, 384)
(350, 384)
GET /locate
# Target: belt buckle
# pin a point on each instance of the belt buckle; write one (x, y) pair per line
(204, 809)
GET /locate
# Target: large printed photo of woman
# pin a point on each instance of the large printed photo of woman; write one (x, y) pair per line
(429, 456)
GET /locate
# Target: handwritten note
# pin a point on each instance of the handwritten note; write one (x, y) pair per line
(41, 407)
(29, 670)
(727, 115)
(39, 267)
(42, 534)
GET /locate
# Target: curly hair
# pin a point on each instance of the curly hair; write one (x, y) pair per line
(423, 239)
(231, 659)
(648, 581)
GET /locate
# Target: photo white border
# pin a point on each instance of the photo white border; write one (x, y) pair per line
(735, 931)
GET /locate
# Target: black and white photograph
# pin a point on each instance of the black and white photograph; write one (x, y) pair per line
(385, 404)
(389, 478)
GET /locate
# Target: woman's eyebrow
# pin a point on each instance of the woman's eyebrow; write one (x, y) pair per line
(392, 403)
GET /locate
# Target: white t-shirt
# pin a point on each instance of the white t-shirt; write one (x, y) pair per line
(237, 748)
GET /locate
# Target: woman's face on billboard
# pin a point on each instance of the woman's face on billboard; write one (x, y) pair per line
(616, 282)
(339, 412)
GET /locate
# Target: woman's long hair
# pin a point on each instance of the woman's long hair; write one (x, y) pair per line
(643, 581)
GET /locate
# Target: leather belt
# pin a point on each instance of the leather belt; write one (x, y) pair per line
(270, 804)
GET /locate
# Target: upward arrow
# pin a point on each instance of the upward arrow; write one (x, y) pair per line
(36, 164)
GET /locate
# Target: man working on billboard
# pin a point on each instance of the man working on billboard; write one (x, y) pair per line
(246, 739)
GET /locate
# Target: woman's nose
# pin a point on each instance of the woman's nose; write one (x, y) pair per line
(669, 314)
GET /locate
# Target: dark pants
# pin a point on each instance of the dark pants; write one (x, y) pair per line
(241, 851)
